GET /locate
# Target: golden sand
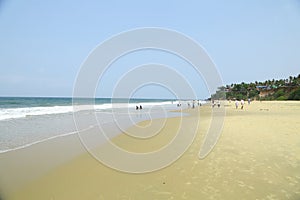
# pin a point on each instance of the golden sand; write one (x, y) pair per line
(256, 157)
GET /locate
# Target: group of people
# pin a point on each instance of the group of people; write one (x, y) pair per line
(213, 103)
(237, 103)
(138, 107)
(193, 104)
(242, 103)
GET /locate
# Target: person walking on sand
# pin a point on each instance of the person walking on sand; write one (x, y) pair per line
(236, 104)
(249, 101)
(242, 104)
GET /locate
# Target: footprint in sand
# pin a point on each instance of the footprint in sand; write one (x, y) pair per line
(241, 183)
(292, 181)
(271, 197)
(251, 187)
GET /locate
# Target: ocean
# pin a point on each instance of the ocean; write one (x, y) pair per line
(25, 121)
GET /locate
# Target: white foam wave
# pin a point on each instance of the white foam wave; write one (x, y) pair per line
(14, 113)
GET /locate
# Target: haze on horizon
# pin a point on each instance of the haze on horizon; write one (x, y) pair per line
(43, 44)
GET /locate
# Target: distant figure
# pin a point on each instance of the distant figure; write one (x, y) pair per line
(136, 107)
(189, 105)
(249, 101)
(193, 104)
(242, 104)
(213, 103)
(236, 104)
(219, 103)
(141, 107)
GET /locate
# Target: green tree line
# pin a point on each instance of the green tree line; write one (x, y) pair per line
(282, 89)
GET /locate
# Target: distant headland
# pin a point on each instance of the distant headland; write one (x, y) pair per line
(282, 89)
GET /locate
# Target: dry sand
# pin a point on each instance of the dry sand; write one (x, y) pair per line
(257, 157)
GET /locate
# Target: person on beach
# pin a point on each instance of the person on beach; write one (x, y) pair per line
(236, 104)
(136, 107)
(242, 104)
(213, 103)
(141, 107)
(249, 101)
(219, 103)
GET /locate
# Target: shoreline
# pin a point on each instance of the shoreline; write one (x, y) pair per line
(72, 127)
(256, 156)
(37, 142)
(29, 154)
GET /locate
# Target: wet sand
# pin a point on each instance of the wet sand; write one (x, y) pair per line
(256, 157)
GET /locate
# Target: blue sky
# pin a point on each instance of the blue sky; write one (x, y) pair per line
(43, 43)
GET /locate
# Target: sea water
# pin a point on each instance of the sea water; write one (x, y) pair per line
(28, 120)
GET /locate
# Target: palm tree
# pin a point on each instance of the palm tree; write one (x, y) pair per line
(269, 82)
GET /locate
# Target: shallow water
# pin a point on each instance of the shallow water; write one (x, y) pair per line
(20, 132)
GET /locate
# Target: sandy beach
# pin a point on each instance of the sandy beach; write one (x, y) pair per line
(256, 157)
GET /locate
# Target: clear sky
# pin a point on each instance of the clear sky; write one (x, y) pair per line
(43, 43)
